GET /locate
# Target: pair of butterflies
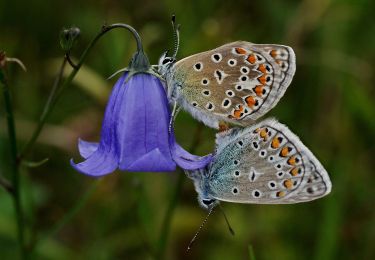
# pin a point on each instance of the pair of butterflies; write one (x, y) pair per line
(262, 163)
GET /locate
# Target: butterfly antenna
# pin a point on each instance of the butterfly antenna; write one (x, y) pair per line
(176, 36)
(226, 220)
(199, 230)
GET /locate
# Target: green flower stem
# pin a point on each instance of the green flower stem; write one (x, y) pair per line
(165, 230)
(14, 167)
(58, 90)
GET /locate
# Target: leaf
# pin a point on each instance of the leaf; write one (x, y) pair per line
(31, 164)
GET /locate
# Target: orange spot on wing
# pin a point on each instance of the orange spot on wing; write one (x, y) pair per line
(238, 112)
(251, 58)
(288, 184)
(294, 171)
(263, 134)
(275, 143)
(273, 53)
(250, 101)
(292, 160)
(240, 50)
(262, 79)
(259, 90)
(284, 152)
(262, 68)
(280, 194)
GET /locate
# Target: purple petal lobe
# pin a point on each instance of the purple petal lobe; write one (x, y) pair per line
(86, 148)
(154, 160)
(186, 160)
(143, 126)
(105, 158)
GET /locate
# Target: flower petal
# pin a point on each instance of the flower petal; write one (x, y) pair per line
(105, 158)
(86, 148)
(186, 160)
(143, 126)
(153, 160)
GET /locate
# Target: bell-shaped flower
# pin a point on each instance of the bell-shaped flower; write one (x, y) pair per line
(136, 133)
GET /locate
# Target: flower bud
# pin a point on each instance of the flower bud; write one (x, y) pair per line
(68, 37)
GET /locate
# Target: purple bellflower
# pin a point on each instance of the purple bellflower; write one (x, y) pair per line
(136, 133)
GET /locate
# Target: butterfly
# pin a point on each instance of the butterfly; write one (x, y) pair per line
(262, 164)
(236, 83)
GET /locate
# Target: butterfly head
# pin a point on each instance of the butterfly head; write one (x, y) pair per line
(165, 63)
(207, 203)
(200, 178)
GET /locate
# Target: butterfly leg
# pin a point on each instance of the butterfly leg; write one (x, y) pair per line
(175, 111)
(223, 126)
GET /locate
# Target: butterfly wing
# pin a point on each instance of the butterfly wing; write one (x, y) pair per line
(265, 164)
(237, 82)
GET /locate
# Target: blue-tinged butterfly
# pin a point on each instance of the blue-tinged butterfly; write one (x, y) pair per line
(236, 83)
(262, 164)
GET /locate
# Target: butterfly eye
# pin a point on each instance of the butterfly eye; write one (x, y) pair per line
(207, 202)
(166, 60)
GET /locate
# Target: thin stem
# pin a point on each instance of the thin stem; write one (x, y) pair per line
(174, 199)
(71, 63)
(129, 28)
(15, 171)
(55, 86)
(59, 89)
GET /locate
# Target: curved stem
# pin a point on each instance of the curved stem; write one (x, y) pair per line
(15, 171)
(129, 28)
(57, 91)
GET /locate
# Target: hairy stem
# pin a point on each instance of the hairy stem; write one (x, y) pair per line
(14, 166)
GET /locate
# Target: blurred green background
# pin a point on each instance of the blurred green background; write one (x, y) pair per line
(329, 104)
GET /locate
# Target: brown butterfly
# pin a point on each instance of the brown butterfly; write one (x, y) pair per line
(236, 83)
